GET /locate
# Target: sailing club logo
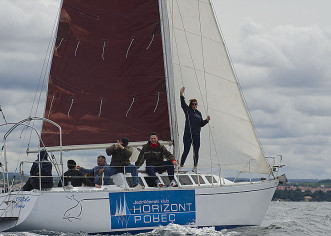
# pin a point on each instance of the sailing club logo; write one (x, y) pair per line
(122, 212)
(152, 208)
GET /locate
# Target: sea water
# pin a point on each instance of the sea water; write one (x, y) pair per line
(282, 218)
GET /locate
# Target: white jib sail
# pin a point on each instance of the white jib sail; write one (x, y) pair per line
(200, 62)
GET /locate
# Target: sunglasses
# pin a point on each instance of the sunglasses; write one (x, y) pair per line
(194, 104)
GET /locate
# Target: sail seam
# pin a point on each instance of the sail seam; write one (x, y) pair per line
(190, 67)
(229, 114)
(204, 37)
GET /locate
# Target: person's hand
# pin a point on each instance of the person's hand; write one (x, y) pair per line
(97, 186)
(182, 91)
(79, 167)
(174, 162)
(101, 171)
(208, 118)
(119, 144)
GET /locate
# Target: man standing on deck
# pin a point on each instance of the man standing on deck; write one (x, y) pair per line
(154, 153)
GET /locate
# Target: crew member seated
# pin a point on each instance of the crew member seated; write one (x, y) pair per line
(46, 170)
(75, 177)
(154, 153)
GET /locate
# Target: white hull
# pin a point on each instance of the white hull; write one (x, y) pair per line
(117, 209)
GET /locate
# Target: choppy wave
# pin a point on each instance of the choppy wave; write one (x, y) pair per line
(282, 218)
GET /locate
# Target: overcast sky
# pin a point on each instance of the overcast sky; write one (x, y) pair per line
(281, 51)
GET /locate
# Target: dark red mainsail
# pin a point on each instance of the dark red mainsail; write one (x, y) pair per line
(107, 77)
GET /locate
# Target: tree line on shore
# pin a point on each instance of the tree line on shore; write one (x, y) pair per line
(298, 195)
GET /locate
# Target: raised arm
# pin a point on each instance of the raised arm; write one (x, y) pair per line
(85, 171)
(110, 150)
(182, 100)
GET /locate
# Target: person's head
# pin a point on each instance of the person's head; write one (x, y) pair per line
(71, 164)
(124, 141)
(43, 155)
(153, 138)
(101, 160)
(193, 104)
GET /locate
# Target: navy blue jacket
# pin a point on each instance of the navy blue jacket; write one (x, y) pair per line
(194, 121)
(46, 170)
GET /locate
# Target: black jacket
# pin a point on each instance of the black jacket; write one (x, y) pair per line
(46, 170)
(153, 156)
(194, 121)
(76, 178)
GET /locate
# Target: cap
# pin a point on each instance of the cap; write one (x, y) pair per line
(125, 141)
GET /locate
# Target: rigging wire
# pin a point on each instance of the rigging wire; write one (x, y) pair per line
(40, 86)
(205, 80)
(196, 76)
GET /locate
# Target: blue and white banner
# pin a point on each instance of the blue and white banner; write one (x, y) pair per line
(152, 208)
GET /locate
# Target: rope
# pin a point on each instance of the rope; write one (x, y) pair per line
(50, 108)
(204, 77)
(3, 115)
(150, 42)
(157, 103)
(130, 107)
(127, 51)
(205, 107)
(77, 48)
(103, 50)
(59, 44)
(72, 102)
(44, 71)
(101, 101)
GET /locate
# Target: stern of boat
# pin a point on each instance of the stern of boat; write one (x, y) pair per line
(15, 207)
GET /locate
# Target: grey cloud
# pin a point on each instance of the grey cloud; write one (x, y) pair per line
(25, 31)
(285, 76)
(294, 56)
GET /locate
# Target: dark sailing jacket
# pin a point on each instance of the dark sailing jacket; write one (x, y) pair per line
(120, 157)
(46, 170)
(76, 178)
(194, 121)
(153, 156)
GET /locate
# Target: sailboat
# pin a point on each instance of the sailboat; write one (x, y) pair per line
(117, 69)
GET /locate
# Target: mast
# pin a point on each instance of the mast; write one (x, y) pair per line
(169, 75)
